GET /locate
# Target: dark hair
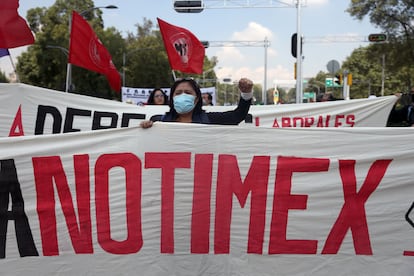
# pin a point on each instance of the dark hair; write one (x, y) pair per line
(198, 108)
(152, 94)
(209, 99)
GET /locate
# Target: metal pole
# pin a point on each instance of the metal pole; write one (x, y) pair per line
(66, 52)
(69, 66)
(123, 69)
(225, 94)
(345, 85)
(14, 68)
(383, 75)
(298, 55)
(265, 73)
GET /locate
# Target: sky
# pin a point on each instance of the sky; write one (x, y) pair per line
(318, 19)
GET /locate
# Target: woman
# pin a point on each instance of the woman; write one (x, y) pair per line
(207, 99)
(186, 105)
(157, 97)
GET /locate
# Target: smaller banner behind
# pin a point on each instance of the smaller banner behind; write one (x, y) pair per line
(139, 96)
(160, 202)
(29, 110)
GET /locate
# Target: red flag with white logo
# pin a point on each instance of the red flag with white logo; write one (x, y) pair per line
(87, 51)
(185, 52)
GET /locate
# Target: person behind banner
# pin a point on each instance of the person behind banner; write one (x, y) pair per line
(157, 97)
(326, 97)
(402, 113)
(207, 99)
(186, 105)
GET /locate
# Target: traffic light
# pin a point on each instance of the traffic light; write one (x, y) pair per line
(294, 45)
(338, 79)
(188, 6)
(294, 70)
(377, 37)
(349, 79)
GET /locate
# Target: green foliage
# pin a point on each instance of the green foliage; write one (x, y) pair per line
(391, 62)
(317, 84)
(45, 62)
(3, 77)
(380, 67)
(140, 57)
(146, 62)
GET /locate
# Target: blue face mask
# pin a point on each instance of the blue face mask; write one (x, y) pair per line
(184, 103)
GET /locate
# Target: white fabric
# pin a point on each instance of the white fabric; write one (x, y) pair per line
(139, 96)
(246, 96)
(22, 107)
(367, 172)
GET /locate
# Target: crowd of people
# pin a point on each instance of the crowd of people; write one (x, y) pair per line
(186, 103)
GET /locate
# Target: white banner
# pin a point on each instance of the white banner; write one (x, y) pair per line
(29, 110)
(161, 201)
(139, 96)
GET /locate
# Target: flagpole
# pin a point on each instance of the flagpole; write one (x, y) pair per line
(69, 66)
(173, 73)
(14, 68)
(68, 76)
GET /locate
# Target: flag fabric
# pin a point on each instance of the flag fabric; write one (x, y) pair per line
(14, 31)
(87, 51)
(4, 52)
(185, 52)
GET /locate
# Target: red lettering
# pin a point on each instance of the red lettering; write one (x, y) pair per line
(275, 123)
(133, 186)
(167, 162)
(352, 215)
(200, 219)
(320, 121)
(49, 170)
(297, 122)
(350, 120)
(338, 120)
(309, 121)
(229, 182)
(283, 200)
(328, 117)
(286, 122)
(17, 126)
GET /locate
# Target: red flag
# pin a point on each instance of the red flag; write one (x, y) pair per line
(14, 31)
(87, 51)
(185, 51)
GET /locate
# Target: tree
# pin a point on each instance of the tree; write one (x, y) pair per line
(147, 64)
(395, 18)
(3, 77)
(140, 57)
(317, 84)
(146, 60)
(45, 62)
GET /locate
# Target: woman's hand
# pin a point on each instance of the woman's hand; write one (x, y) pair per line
(245, 85)
(146, 124)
